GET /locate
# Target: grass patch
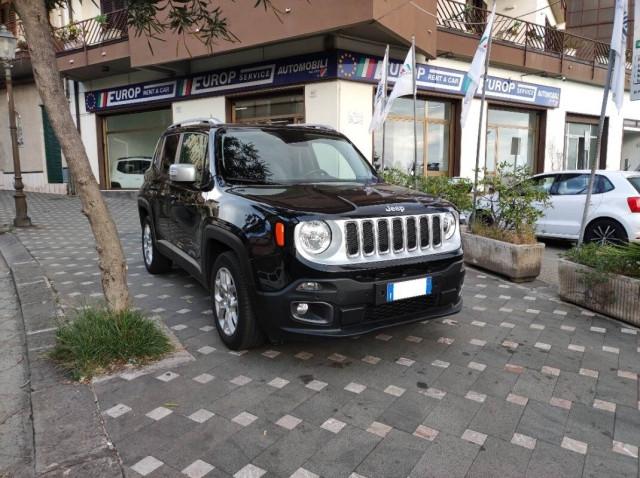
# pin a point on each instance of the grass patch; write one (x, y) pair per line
(623, 260)
(524, 236)
(97, 341)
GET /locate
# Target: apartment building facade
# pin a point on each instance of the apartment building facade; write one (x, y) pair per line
(319, 63)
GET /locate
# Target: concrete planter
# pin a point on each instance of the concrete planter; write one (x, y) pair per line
(518, 262)
(609, 294)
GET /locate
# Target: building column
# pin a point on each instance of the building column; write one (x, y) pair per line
(344, 105)
(215, 107)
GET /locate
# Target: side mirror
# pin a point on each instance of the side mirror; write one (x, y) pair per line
(182, 173)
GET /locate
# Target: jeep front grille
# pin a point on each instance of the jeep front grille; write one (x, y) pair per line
(396, 235)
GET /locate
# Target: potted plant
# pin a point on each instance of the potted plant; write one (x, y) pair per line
(501, 238)
(69, 36)
(534, 35)
(454, 190)
(605, 279)
(513, 29)
(101, 20)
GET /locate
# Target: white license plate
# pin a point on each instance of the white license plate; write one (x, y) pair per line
(408, 289)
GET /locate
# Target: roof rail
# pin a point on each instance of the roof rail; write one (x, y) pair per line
(192, 121)
(312, 125)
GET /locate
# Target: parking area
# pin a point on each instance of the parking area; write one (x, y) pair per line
(519, 383)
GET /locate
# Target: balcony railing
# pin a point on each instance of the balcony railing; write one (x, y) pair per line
(107, 28)
(463, 18)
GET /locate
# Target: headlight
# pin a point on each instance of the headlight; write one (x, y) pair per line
(449, 225)
(314, 236)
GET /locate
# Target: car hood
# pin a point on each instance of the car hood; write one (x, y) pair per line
(348, 199)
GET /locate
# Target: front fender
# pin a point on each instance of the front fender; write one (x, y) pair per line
(228, 240)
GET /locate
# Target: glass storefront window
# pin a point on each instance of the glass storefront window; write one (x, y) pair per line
(433, 128)
(130, 141)
(511, 138)
(580, 145)
(281, 109)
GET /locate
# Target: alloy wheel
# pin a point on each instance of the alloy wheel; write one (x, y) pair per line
(604, 234)
(147, 244)
(225, 297)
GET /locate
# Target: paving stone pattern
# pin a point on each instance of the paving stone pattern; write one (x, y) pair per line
(517, 384)
(16, 439)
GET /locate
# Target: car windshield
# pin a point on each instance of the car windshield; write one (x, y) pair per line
(635, 182)
(281, 156)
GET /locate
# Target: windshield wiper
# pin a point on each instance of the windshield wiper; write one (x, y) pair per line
(251, 181)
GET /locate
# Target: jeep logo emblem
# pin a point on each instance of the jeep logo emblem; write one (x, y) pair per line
(395, 209)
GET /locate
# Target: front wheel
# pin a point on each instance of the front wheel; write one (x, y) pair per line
(605, 232)
(154, 261)
(232, 308)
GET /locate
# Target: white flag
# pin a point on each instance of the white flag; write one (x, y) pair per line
(619, 45)
(472, 78)
(381, 95)
(405, 84)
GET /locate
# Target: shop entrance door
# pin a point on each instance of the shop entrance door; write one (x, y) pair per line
(129, 142)
(512, 137)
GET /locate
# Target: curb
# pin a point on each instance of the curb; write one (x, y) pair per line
(69, 439)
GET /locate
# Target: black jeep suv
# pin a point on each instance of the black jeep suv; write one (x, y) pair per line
(293, 232)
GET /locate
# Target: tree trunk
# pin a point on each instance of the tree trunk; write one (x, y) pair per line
(111, 261)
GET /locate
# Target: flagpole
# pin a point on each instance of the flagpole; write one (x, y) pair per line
(617, 76)
(478, 144)
(596, 159)
(384, 90)
(384, 132)
(415, 112)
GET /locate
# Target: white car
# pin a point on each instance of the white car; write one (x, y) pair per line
(614, 212)
(128, 172)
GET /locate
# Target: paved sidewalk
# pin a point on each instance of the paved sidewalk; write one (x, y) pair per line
(517, 384)
(554, 249)
(16, 436)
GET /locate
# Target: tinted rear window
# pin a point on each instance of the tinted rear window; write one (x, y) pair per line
(635, 182)
(133, 166)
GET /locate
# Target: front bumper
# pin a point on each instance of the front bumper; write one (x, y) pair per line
(359, 306)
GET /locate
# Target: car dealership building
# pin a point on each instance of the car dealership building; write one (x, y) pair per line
(320, 63)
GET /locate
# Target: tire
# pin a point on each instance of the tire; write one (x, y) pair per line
(153, 259)
(227, 282)
(605, 231)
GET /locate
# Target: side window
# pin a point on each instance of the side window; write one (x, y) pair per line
(571, 184)
(168, 153)
(194, 151)
(544, 183)
(602, 185)
(330, 160)
(133, 166)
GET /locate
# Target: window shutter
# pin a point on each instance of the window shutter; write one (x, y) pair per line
(109, 6)
(52, 152)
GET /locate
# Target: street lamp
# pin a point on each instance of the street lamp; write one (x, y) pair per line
(7, 55)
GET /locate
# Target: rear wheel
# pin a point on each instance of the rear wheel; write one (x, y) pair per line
(232, 307)
(605, 231)
(154, 261)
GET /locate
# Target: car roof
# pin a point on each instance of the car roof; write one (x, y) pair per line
(208, 123)
(604, 172)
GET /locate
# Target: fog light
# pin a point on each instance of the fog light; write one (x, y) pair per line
(310, 286)
(319, 313)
